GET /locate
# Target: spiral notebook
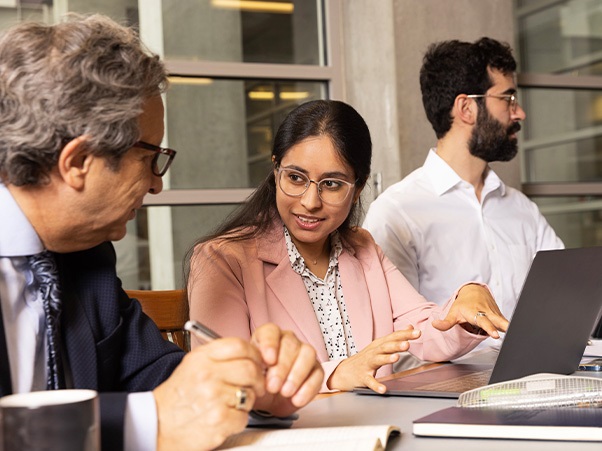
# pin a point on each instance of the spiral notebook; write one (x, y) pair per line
(558, 307)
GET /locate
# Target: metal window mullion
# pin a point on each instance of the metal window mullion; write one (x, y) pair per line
(334, 52)
(536, 6)
(562, 189)
(198, 197)
(217, 69)
(578, 206)
(551, 81)
(563, 138)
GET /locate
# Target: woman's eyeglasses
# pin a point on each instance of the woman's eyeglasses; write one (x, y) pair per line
(295, 184)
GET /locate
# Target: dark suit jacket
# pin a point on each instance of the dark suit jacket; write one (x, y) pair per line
(110, 345)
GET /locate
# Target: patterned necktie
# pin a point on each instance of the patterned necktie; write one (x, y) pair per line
(5, 380)
(45, 273)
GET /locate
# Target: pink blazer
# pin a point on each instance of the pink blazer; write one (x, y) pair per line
(236, 286)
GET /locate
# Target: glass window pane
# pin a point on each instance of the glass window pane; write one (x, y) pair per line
(562, 135)
(576, 220)
(563, 38)
(271, 31)
(186, 225)
(276, 31)
(223, 129)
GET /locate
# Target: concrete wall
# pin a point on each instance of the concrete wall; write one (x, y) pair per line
(384, 41)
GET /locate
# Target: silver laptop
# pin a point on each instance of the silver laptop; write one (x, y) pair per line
(558, 307)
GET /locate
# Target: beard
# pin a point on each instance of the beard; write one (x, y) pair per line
(490, 141)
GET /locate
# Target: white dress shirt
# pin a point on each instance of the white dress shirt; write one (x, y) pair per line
(22, 311)
(25, 323)
(435, 230)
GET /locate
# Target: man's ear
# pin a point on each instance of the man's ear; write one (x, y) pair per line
(465, 109)
(74, 162)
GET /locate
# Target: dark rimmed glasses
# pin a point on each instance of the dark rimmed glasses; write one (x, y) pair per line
(295, 184)
(162, 159)
(512, 99)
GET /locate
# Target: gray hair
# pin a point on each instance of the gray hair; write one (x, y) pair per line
(86, 76)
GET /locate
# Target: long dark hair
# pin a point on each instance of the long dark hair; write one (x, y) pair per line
(350, 137)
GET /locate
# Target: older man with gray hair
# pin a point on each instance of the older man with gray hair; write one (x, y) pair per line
(81, 123)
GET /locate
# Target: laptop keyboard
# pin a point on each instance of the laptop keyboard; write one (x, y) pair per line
(459, 384)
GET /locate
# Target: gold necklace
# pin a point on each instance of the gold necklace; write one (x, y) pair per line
(311, 260)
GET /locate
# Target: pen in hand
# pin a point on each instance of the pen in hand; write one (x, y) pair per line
(202, 332)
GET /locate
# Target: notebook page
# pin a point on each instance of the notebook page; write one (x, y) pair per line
(327, 438)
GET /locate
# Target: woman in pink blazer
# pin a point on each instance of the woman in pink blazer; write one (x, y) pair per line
(293, 256)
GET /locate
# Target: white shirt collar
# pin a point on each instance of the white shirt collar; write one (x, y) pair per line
(493, 182)
(17, 235)
(444, 178)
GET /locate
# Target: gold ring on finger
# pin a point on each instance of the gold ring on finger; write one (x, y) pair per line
(241, 399)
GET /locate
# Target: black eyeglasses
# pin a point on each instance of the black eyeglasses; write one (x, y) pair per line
(162, 159)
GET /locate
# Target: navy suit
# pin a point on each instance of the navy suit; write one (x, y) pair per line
(109, 344)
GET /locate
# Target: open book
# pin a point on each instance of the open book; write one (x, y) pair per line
(327, 438)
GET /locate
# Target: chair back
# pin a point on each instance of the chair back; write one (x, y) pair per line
(169, 310)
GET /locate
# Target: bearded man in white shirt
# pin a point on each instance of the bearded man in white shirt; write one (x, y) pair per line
(454, 220)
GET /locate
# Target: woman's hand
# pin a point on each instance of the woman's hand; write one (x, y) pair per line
(359, 369)
(293, 376)
(474, 306)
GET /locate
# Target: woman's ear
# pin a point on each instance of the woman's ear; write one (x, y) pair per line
(357, 193)
(74, 162)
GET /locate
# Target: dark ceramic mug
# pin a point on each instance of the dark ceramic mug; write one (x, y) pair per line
(66, 420)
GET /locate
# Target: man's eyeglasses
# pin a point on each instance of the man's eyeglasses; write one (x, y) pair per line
(162, 159)
(510, 98)
(331, 191)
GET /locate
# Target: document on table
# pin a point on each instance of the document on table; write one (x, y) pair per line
(327, 438)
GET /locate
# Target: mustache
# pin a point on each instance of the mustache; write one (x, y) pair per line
(514, 128)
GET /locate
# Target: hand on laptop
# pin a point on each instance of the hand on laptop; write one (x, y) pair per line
(359, 369)
(475, 310)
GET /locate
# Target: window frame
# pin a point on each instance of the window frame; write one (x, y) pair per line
(331, 73)
(551, 81)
